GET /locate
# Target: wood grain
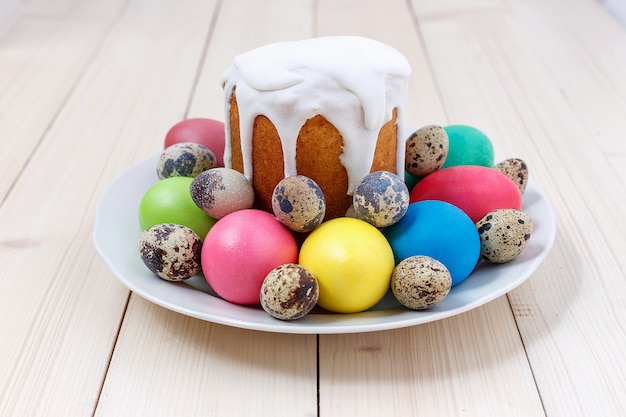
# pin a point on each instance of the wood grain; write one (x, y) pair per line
(42, 57)
(242, 26)
(167, 364)
(472, 364)
(89, 88)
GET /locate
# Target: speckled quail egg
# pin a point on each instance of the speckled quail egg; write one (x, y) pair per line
(289, 292)
(351, 212)
(516, 169)
(426, 150)
(503, 234)
(171, 251)
(298, 203)
(185, 160)
(381, 199)
(419, 282)
(221, 191)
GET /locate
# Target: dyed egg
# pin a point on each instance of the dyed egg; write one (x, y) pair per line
(419, 282)
(241, 249)
(221, 191)
(289, 292)
(207, 132)
(439, 230)
(169, 201)
(468, 146)
(352, 262)
(503, 235)
(381, 199)
(410, 180)
(298, 202)
(185, 160)
(426, 150)
(516, 169)
(476, 190)
(171, 251)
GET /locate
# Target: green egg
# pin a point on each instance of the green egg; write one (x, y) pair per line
(169, 201)
(468, 146)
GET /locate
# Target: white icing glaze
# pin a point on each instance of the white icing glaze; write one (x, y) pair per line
(353, 82)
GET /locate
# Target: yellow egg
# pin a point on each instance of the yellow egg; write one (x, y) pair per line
(352, 262)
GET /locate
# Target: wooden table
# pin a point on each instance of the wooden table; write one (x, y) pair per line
(89, 88)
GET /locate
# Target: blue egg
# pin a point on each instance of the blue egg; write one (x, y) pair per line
(439, 230)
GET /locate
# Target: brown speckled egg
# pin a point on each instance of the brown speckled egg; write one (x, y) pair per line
(419, 282)
(185, 160)
(171, 251)
(516, 169)
(503, 234)
(298, 203)
(221, 191)
(289, 292)
(426, 150)
(381, 199)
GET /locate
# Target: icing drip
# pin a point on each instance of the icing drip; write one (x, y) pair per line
(353, 82)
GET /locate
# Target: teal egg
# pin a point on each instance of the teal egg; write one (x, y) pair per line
(468, 146)
(410, 180)
(439, 230)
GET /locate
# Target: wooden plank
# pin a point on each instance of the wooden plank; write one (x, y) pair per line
(443, 9)
(619, 164)
(459, 366)
(290, 20)
(617, 9)
(167, 364)
(595, 88)
(468, 365)
(57, 348)
(226, 371)
(496, 79)
(8, 11)
(390, 23)
(61, 43)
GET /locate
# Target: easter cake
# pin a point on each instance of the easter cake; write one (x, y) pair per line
(328, 108)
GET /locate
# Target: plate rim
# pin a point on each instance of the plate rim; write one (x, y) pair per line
(312, 323)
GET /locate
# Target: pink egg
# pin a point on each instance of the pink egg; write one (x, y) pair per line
(207, 132)
(241, 249)
(476, 190)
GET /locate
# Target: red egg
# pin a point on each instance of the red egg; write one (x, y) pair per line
(242, 248)
(207, 132)
(476, 190)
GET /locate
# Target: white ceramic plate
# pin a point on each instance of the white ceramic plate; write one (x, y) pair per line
(115, 236)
